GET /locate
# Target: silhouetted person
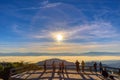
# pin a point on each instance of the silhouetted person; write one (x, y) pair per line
(105, 73)
(95, 66)
(77, 66)
(83, 65)
(62, 67)
(44, 66)
(100, 66)
(54, 66)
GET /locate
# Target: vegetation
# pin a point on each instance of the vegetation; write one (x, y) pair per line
(6, 67)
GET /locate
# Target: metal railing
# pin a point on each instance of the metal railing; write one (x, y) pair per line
(68, 67)
(112, 71)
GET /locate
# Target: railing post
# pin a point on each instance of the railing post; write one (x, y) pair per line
(119, 71)
(90, 68)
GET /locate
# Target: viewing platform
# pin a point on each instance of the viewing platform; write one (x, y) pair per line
(50, 75)
(69, 72)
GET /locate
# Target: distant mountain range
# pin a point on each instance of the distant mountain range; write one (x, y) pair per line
(101, 54)
(63, 54)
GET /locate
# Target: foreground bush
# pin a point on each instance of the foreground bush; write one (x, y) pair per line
(6, 67)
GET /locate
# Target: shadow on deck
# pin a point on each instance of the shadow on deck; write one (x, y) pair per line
(50, 75)
(69, 73)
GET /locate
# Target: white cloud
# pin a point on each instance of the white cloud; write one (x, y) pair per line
(63, 47)
(44, 4)
(70, 21)
(47, 4)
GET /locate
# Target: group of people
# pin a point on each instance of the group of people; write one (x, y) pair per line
(102, 70)
(61, 65)
(83, 65)
(78, 65)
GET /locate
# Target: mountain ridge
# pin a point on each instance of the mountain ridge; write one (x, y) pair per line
(63, 54)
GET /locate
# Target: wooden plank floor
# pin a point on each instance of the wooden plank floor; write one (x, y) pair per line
(50, 75)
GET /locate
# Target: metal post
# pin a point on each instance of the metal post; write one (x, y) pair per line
(119, 72)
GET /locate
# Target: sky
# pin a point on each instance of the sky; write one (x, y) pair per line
(85, 25)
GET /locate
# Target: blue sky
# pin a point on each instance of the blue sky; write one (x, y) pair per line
(86, 25)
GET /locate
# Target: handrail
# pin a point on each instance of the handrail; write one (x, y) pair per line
(15, 71)
(90, 68)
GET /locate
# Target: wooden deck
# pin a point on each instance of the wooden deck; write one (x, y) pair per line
(69, 73)
(50, 75)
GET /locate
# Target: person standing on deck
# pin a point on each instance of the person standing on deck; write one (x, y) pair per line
(83, 65)
(95, 66)
(100, 66)
(77, 66)
(53, 66)
(62, 67)
(44, 66)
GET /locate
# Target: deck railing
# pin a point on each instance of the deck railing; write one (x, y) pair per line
(112, 71)
(71, 67)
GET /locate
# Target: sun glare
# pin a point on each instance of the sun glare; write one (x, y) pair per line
(59, 37)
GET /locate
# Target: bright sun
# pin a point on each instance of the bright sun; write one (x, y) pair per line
(59, 37)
